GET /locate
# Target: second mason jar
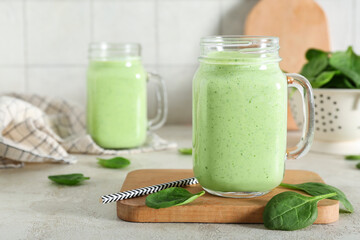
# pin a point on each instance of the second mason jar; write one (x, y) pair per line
(240, 114)
(117, 98)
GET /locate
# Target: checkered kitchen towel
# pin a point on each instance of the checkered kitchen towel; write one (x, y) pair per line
(40, 129)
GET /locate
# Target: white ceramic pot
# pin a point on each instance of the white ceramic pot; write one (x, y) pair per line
(337, 114)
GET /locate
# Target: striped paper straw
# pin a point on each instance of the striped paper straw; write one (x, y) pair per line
(146, 190)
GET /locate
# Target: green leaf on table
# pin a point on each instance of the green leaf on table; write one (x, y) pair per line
(174, 196)
(316, 189)
(323, 78)
(348, 63)
(68, 179)
(316, 64)
(291, 211)
(116, 162)
(185, 151)
(352, 157)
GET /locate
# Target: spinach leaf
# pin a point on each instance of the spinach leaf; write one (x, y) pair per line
(185, 151)
(68, 179)
(316, 189)
(332, 70)
(348, 83)
(352, 157)
(323, 78)
(358, 165)
(169, 197)
(291, 211)
(348, 63)
(339, 81)
(116, 162)
(316, 65)
(314, 53)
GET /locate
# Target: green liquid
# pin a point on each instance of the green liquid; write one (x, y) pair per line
(239, 125)
(116, 110)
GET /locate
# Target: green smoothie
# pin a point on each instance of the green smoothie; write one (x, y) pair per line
(116, 110)
(239, 123)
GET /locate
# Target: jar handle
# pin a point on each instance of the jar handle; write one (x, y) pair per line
(303, 86)
(161, 97)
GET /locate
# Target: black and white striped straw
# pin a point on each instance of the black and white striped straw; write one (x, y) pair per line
(146, 190)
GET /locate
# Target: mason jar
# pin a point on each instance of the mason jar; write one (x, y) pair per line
(240, 116)
(117, 96)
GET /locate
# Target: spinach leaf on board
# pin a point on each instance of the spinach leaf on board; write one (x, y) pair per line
(316, 189)
(352, 157)
(185, 151)
(169, 197)
(348, 63)
(116, 162)
(68, 179)
(291, 211)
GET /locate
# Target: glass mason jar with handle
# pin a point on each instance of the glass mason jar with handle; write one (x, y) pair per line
(116, 96)
(240, 116)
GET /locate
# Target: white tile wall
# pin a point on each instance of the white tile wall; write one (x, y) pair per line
(341, 22)
(179, 83)
(233, 15)
(181, 24)
(43, 43)
(11, 32)
(66, 82)
(356, 40)
(57, 31)
(12, 79)
(127, 21)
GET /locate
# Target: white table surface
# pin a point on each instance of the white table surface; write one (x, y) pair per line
(31, 207)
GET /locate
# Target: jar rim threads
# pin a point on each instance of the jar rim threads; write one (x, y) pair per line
(109, 50)
(246, 48)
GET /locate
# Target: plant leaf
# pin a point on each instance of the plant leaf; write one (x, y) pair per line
(349, 84)
(358, 165)
(316, 65)
(316, 189)
(116, 162)
(319, 69)
(169, 197)
(291, 211)
(314, 53)
(348, 63)
(68, 179)
(185, 151)
(323, 78)
(339, 81)
(352, 157)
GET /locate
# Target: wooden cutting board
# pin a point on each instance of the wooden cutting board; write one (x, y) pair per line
(209, 208)
(300, 25)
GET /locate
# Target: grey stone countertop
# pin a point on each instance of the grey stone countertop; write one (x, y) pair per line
(31, 207)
